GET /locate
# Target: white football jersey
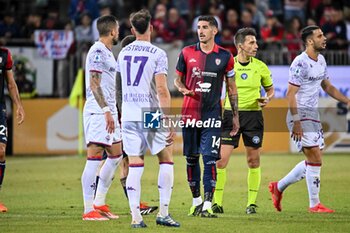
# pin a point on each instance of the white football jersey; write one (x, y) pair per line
(138, 63)
(308, 74)
(100, 59)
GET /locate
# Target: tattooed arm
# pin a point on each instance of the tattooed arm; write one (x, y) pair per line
(233, 97)
(95, 86)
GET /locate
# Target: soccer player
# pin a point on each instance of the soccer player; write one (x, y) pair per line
(251, 75)
(307, 74)
(200, 71)
(143, 69)
(7, 74)
(124, 165)
(102, 131)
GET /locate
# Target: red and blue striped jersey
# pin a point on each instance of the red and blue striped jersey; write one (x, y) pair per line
(204, 75)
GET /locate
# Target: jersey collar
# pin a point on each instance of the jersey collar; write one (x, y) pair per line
(215, 49)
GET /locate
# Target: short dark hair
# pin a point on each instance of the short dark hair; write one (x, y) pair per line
(127, 40)
(140, 20)
(242, 33)
(210, 19)
(105, 24)
(308, 31)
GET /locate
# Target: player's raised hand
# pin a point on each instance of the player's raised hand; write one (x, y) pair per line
(235, 126)
(186, 92)
(20, 115)
(110, 127)
(297, 131)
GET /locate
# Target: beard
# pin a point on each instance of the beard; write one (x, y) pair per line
(115, 41)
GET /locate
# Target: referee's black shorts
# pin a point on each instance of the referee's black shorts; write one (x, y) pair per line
(251, 128)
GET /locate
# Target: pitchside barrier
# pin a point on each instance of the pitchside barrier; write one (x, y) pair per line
(51, 127)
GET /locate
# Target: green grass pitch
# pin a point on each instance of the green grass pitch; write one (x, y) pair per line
(44, 195)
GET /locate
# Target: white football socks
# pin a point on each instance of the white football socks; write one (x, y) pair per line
(106, 177)
(88, 180)
(295, 175)
(313, 182)
(165, 187)
(133, 186)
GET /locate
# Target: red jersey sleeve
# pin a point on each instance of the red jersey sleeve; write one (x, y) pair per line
(230, 67)
(9, 62)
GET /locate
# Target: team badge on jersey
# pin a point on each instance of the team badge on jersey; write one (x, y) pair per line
(244, 76)
(196, 72)
(217, 61)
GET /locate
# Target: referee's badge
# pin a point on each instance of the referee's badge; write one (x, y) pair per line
(256, 139)
(217, 61)
(244, 76)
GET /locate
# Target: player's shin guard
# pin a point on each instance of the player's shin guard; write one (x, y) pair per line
(133, 186)
(106, 177)
(313, 181)
(254, 178)
(165, 186)
(220, 185)
(194, 175)
(209, 180)
(2, 172)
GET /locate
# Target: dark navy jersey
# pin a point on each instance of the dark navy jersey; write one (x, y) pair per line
(5, 65)
(204, 74)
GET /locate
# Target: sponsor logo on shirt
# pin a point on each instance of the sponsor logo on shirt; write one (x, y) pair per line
(203, 87)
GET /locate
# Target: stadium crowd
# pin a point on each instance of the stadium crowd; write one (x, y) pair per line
(277, 22)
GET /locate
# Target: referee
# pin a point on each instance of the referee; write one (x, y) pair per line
(251, 74)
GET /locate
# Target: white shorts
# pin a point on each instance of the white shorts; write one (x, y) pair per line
(95, 130)
(136, 139)
(312, 134)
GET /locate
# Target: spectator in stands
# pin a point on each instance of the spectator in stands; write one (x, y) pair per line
(258, 16)
(232, 22)
(175, 29)
(83, 32)
(226, 40)
(277, 8)
(323, 11)
(231, 26)
(183, 7)
(25, 87)
(295, 8)
(211, 10)
(247, 22)
(158, 22)
(335, 31)
(8, 27)
(272, 32)
(310, 21)
(33, 22)
(104, 9)
(292, 38)
(52, 20)
(78, 7)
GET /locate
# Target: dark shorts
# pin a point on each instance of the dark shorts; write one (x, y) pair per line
(205, 141)
(251, 128)
(3, 124)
